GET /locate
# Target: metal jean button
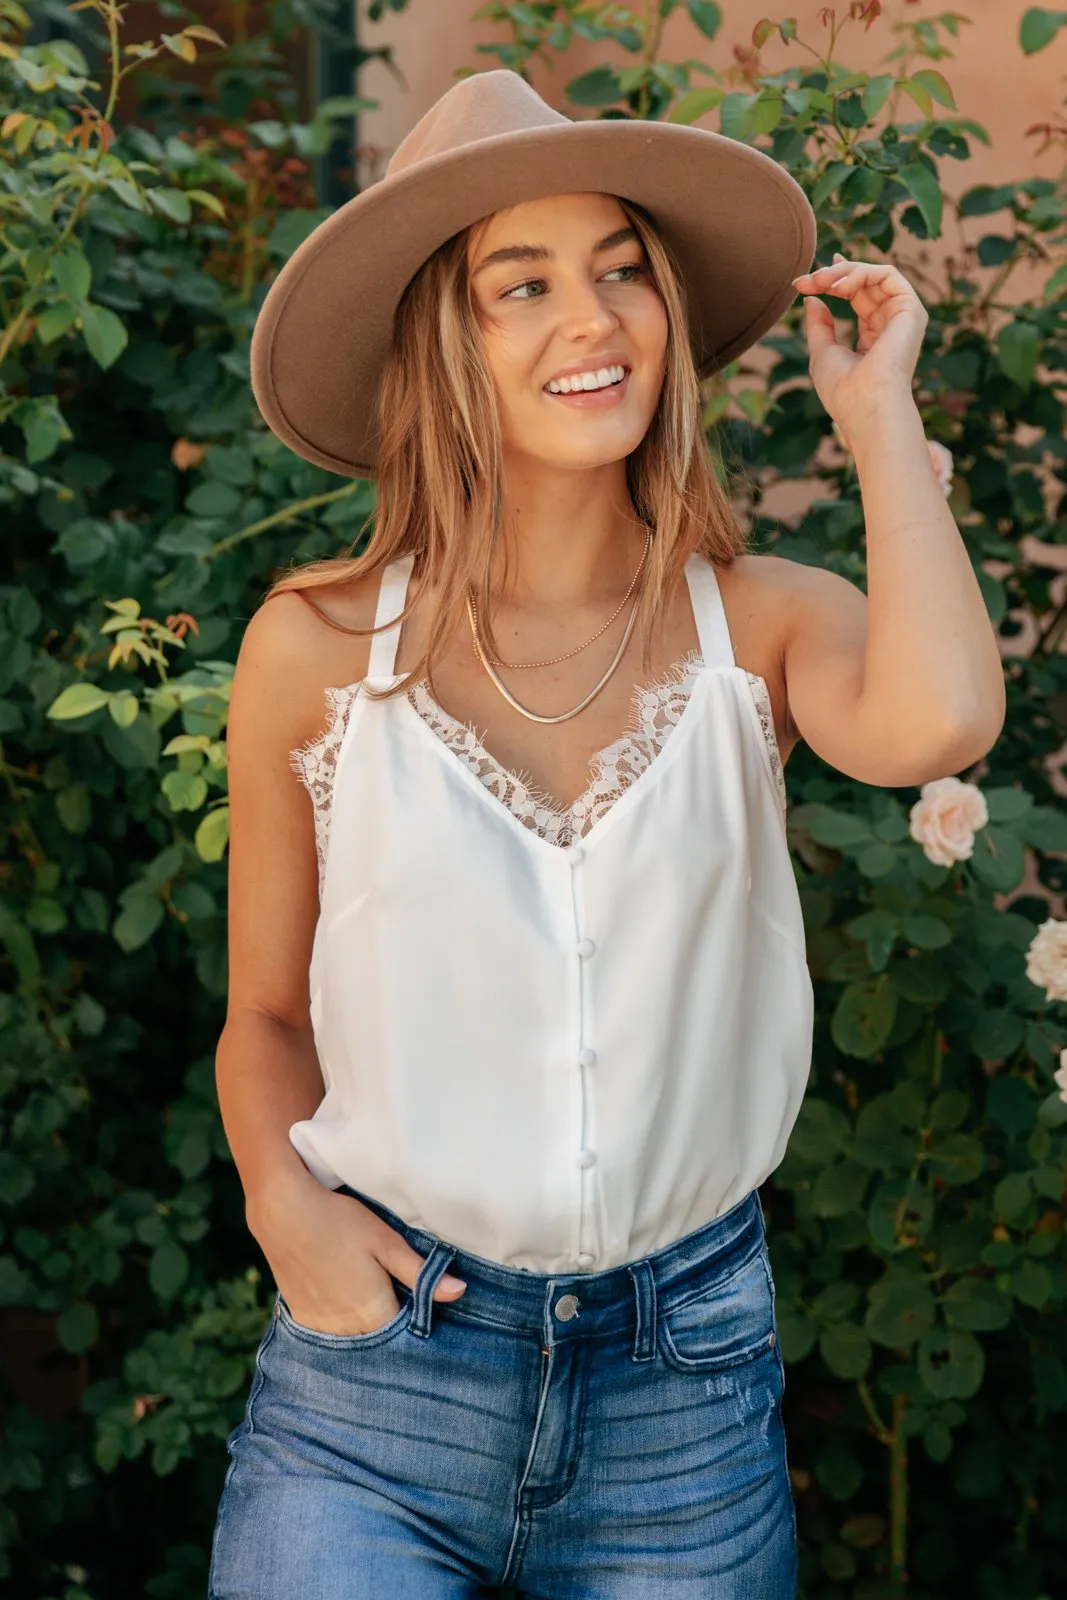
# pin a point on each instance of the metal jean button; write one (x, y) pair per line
(566, 1307)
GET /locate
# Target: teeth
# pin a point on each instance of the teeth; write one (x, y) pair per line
(587, 380)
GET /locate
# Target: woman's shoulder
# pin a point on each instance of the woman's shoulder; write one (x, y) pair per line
(299, 645)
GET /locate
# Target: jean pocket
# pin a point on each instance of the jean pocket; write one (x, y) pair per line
(347, 1341)
(728, 1324)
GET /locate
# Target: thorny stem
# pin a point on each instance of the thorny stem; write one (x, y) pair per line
(882, 1432)
(283, 514)
(898, 1494)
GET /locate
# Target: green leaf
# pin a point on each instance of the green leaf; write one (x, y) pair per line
(123, 708)
(948, 1110)
(845, 1349)
(926, 932)
(876, 860)
(186, 791)
(135, 747)
(863, 1018)
(1007, 804)
(840, 830)
(1010, 1104)
(999, 860)
(600, 87)
(213, 834)
(73, 274)
(77, 700)
(839, 1189)
(956, 1158)
(137, 921)
(56, 321)
(1031, 1283)
(73, 808)
(104, 333)
(1039, 27)
(901, 1309)
(1044, 828)
(922, 979)
(695, 104)
(172, 203)
(1012, 1195)
(78, 1327)
(951, 1364)
(1018, 347)
(935, 85)
(214, 499)
(706, 15)
(937, 1441)
(796, 1333)
(876, 93)
(836, 1302)
(820, 1131)
(925, 189)
(977, 1305)
(168, 1269)
(996, 1033)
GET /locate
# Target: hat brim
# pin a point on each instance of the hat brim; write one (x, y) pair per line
(741, 227)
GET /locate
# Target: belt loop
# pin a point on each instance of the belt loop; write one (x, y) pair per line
(430, 1274)
(645, 1298)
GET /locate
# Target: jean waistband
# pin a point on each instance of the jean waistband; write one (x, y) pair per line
(562, 1306)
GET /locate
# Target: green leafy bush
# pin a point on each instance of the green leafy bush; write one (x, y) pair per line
(917, 1222)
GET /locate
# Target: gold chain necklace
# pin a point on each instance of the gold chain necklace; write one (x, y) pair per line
(515, 666)
(562, 716)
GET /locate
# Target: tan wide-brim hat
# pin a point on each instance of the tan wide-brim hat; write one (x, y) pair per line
(740, 226)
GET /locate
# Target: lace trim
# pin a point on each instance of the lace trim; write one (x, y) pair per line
(656, 710)
(315, 763)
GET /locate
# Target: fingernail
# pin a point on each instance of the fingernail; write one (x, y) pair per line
(449, 1282)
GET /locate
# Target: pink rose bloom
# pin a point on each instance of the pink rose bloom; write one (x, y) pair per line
(944, 820)
(942, 463)
(1060, 1075)
(1046, 959)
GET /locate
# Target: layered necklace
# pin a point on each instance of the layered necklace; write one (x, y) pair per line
(490, 664)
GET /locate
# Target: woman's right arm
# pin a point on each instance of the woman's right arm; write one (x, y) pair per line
(332, 1258)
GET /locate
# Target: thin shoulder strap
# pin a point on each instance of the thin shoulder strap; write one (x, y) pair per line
(391, 597)
(709, 612)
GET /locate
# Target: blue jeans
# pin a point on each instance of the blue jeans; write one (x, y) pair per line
(604, 1436)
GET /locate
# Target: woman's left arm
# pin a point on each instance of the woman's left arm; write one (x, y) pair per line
(909, 684)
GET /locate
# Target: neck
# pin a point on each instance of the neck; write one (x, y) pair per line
(568, 537)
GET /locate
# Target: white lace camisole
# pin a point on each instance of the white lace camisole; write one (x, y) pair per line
(558, 1037)
(656, 708)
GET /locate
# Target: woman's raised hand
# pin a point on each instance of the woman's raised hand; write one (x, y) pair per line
(891, 323)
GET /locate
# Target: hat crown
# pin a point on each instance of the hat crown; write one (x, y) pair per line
(483, 106)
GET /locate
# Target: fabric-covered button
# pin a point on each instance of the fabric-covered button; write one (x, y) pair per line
(585, 1259)
(587, 1057)
(585, 947)
(574, 854)
(567, 1307)
(586, 1158)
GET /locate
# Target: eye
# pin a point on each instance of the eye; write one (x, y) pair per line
(638, 269)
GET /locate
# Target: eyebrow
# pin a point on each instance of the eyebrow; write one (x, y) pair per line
(539, 252)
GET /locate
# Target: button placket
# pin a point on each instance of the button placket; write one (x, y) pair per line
(585, 1158)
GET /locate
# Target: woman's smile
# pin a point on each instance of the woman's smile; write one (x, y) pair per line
(607, 394)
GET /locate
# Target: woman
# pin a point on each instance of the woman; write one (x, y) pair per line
(559, 1005)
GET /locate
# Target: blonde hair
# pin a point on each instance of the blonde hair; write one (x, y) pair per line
(440, 468)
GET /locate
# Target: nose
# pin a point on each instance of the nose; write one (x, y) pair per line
(586, 312)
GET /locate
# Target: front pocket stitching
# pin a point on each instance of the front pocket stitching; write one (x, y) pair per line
(735, 1358)
(346, 1341)
(699, 1294)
